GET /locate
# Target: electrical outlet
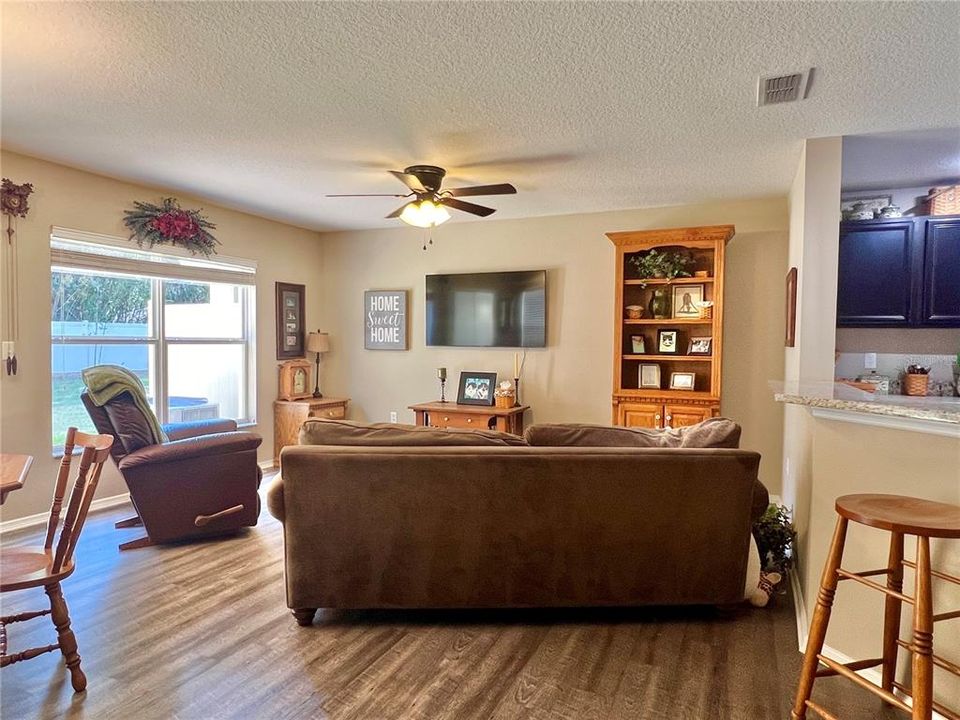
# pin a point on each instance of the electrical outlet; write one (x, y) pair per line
(870, 361)
(393, 416)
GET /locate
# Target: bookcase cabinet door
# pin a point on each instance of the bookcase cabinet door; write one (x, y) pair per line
(682, 415)
(645, 415)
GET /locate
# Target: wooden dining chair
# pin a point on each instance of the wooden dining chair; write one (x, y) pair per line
(47, 567)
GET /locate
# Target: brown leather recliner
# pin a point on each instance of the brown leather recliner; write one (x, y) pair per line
(202, 482)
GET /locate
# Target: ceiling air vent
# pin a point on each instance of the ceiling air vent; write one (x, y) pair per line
(783, 88)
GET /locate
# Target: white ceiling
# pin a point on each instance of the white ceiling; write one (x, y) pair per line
(901, 159)
(583, 106)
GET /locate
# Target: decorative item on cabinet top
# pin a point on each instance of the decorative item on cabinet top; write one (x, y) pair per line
(294, 381)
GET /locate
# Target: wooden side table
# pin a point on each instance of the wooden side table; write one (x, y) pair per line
(13, 473)
(289, 415)
(471, 417)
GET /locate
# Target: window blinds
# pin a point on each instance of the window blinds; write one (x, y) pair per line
(76, 249)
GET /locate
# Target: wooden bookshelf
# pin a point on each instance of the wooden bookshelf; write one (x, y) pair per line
(638, 406)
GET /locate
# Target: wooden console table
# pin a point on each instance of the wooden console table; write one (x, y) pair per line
(289, 415)
(13, 473)
(471, 417)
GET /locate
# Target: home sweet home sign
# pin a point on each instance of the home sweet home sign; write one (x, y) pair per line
(385, 319)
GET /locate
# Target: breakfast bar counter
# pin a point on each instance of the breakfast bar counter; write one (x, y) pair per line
(839, 401)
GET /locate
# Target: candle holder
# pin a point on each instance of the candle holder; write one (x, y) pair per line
(516, 392)
(442, 377)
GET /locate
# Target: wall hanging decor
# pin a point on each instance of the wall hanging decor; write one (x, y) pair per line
(385, 319)
(290, 321)
(13, 202)
(169, 224)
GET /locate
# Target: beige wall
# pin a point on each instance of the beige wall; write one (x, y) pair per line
(571, 379)
(913, 341)
(850, 458)
(813, 247)
(71, 198)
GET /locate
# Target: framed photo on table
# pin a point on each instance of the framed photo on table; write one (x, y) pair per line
(290, 320)
(476, 388)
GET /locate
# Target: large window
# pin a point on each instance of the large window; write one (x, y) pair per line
(190, 340)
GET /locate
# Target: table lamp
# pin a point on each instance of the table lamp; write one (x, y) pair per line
(319, 343)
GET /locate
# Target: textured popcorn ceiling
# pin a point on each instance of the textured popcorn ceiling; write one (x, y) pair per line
(584, 106)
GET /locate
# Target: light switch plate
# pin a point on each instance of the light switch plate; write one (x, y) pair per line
(870, 361)
(393, 416)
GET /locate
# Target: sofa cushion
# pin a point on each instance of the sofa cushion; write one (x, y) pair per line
(346, 432)
(711, 433)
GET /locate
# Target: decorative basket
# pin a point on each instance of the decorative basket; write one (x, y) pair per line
(505, 401)
(915, 384)
(706, 313)
(944, 200)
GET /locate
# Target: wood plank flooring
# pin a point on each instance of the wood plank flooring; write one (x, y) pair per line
(201, 632)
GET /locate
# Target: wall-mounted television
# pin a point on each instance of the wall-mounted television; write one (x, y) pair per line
(500, 309)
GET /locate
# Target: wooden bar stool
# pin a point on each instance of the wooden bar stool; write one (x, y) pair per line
(900, 516)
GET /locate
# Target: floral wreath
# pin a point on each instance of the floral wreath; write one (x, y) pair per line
(169, 224)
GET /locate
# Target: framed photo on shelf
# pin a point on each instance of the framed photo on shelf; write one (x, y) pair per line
(700, 346)
(639, 344)
(667, 341)
(650, 376)
(682, 380)
(685, 299)
(290, 320)
(476, 388)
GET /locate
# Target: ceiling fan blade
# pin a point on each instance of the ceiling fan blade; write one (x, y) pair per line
(411, 181)
(467, 207)
(396, 213)
(501, 189)
(367, 195)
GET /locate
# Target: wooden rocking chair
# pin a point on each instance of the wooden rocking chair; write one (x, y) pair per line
(47, 567)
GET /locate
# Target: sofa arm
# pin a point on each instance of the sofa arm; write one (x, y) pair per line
(196, 428)
(203, 446)
(275, 502)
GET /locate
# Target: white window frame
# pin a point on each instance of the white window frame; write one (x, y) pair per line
(77, 251)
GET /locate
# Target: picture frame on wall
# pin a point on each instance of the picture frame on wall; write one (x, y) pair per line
(476, 388)
(649, 376)
(686, 299)
(291, 303)
(790, 334)
(385, 320)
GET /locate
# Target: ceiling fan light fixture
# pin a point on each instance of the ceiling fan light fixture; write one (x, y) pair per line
(424, 214)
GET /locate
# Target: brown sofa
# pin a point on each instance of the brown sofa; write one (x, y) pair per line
(489, 525)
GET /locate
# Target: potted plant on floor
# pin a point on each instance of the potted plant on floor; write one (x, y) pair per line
(775, 536)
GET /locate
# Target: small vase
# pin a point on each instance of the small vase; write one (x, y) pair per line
(658, 304)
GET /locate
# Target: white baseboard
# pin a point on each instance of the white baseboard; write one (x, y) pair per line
(803, 631)
(267, 465)
(41, 518)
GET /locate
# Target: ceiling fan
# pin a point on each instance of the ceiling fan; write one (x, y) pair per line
(430, 203)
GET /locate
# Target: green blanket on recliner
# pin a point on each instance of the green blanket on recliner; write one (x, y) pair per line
(105, 382)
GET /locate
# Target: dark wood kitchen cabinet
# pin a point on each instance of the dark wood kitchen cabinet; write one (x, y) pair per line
(899, 272)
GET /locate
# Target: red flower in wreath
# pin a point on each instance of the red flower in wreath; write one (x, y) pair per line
(176, 225)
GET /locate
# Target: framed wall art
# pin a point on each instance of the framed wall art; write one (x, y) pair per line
(385, 319)
(290, 320)
(790, 336)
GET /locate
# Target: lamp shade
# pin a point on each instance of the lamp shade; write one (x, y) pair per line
(318, 342)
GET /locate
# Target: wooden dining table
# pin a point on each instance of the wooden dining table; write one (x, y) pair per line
(13, 473)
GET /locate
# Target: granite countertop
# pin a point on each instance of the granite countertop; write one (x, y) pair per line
(839, 396)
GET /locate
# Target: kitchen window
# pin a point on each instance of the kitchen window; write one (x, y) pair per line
(183, 325)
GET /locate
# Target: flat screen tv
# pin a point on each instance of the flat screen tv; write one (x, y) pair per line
(501, 309)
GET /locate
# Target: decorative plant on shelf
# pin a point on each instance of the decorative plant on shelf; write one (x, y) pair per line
(775, 536)
(169, 224)
(919, 369)
(668, 264)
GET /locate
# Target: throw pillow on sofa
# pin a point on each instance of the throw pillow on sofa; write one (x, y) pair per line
(348, 432)
(711, 433)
